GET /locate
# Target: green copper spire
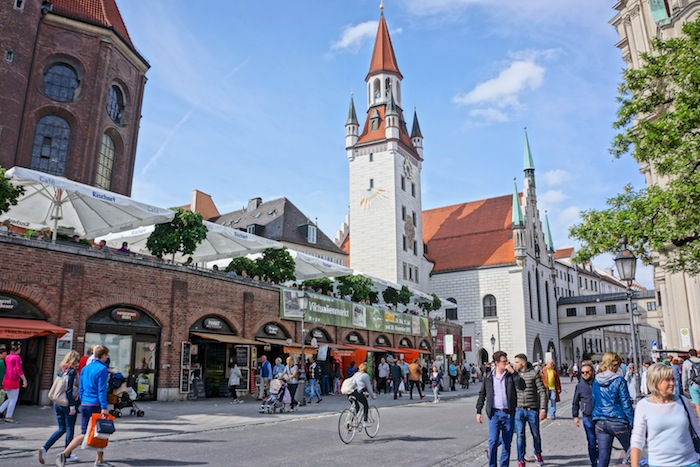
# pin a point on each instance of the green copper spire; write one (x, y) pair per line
(548, 234)
(529, 164)
(352, 116)
(517, 212)
(415, 131)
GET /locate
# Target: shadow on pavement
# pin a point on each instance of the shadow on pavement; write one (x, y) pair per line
(157, 462)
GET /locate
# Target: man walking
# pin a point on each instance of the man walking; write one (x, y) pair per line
(414, 378)
(383, 375)
(691, 378)
(532, 407)
(583, 401)
(314, 375)
(396, 376)
(265, 375)
(550, 378)
(499, 395)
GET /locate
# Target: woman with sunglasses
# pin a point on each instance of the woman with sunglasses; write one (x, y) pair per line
(583, 402)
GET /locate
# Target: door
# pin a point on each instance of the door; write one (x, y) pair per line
(145, 364)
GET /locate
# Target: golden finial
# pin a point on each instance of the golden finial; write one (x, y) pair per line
(381, 5)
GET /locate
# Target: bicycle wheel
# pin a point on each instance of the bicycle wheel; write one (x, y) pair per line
(372, 427)
(346, 426)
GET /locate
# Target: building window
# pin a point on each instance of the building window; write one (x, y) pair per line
(415, 248)
(529, 293)
(61, 82)
(404, 271)
(490, 306)
(371, 157)
(405, 248)
(403, 183)
(610, 309)
(50, 149)
(413, 190)
(571, 312)
(19, 4)
(371, 183)
(546, 291)
(115, 104)
(410, 273)
(539, 297)
(590, 311)
(414, 218)
(9, 56)
(105, 162)
(403, 213)
(651, 306)
(416, 275)
(311, 234)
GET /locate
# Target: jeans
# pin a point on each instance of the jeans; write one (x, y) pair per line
(605, 432)
(325, 384)
(552, 403)
(532, 418)
(66, 425)
(395, 383)
(416, 384)
(500, 431)
(292, 387)
(314, 391)
(589, 426)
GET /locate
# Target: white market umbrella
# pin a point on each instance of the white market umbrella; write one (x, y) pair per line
(311, 267)
(51, 201)
(221, 242)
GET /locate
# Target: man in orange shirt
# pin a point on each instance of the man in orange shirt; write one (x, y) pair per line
(414, 378)
(550, 378)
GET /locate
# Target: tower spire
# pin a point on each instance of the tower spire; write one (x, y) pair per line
(548, 234)
(352, 115)
(518, 220)
(528, 163)
(383, 58)
(415, 130)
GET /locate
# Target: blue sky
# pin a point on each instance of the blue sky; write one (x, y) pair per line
(248, 99)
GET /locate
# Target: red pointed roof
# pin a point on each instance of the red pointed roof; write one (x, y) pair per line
(100, 12)
(470, 235)
(369, 136)
(383, 58)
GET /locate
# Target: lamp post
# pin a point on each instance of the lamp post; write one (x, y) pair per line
(578, 356)
(303, 304)
(493, 345)
(626, 264)
(434, 333)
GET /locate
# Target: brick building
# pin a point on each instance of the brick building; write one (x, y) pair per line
(71, 89)
(161, 322)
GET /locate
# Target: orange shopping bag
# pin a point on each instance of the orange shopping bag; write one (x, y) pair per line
(90, 439)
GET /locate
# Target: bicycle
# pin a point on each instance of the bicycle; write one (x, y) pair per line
(350, 421)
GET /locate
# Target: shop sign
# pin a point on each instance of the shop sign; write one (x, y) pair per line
(323, 309)
(213, 323)
(381, 341)
(353, 338)
(449, 344)
(7, 303)
(467, 343)
(405, 343)
(124, 314)
(271, 330)
(424, 345)
(317, 333)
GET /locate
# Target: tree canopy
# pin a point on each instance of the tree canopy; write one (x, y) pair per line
(659, 123)
(8, 193)
(324, 284)
(277, 265)
(182, 234)
(357, 286)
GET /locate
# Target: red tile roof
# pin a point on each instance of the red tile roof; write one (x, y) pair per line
(368, 135)
(470, 235)
(383, 58)
(101, 12)
(564, 253)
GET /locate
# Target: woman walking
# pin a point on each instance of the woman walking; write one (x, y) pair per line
(11, 382)
(435, 384)
(612, 408)
(65, 416)
(291, 376)
(234, 380)
(663, 421)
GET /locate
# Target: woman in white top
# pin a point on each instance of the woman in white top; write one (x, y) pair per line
(291, 376)
(662, 421)
(234, 380)
(363, 387)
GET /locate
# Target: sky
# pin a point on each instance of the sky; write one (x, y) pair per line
(249, 99)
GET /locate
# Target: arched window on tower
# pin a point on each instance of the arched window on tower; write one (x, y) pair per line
(529, 293)
(115, 104)
(50, 149)
(377, 90)
(539, 297)
(105, 162)
(490, 310)
(61, 82)
(388, 86)
(546, 291)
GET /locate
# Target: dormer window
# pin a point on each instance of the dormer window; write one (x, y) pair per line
(311, 234)
(374, 120)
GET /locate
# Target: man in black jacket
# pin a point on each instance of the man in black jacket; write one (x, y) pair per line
(583, 401)
(396, 377)
(499, 394)
(532, 407)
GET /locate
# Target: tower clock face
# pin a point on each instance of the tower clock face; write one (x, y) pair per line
(408, 169)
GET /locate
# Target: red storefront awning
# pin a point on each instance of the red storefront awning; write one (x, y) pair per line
(18, 328)
(390, 349)
(366, 348)
(406, 350)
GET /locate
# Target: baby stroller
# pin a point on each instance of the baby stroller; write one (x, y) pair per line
(122, 396)
(275, 399)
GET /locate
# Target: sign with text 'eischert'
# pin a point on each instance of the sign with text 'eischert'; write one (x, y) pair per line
(335, 312)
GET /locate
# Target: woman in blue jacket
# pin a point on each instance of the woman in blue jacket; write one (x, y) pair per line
(612, 408)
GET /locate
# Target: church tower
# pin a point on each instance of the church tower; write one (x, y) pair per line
(386, 239)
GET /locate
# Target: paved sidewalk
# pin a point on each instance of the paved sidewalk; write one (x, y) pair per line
(171, 418)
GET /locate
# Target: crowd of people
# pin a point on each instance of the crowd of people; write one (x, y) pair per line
(515, 396)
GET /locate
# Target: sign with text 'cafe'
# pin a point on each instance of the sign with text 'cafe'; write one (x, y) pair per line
(335, 312)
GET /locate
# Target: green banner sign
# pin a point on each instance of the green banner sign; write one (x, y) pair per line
(335, 312)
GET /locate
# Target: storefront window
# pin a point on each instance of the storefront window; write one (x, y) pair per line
(119, 349)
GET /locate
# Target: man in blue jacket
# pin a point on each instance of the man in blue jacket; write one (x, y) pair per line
(583, 402)
(93, 399)
(499, 395)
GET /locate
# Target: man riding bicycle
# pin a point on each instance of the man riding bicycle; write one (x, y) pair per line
(362, 386)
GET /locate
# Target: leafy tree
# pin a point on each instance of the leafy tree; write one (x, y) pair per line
(358, 287)
(391, 296)
(659, 119)
(324, 283)
(239, 264)
(276, 264)
(431, 306)
(405, 295)
(182, 234)
(8, 193)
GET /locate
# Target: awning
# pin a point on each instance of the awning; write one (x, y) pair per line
(416, 350)
(18, 328)
(225, 338)
(308, 350)
(390, 349)
(362, 347)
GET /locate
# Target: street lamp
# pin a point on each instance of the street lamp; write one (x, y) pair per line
(493, 345)
(626, 264)
(303, 304)
(434, 333)
(578, 355)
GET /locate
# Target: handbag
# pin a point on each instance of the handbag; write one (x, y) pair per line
(59, 388)
(693, 435)
(103, 428)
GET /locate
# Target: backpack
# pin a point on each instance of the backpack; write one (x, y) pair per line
(349, 386)
(694, 373)
(59, 388)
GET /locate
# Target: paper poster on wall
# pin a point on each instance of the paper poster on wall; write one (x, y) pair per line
(63, 346)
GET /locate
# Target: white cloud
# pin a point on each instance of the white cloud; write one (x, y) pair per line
(503, 90)
(354, 36)
(551, 197)
(555, 177)
(488, 115)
